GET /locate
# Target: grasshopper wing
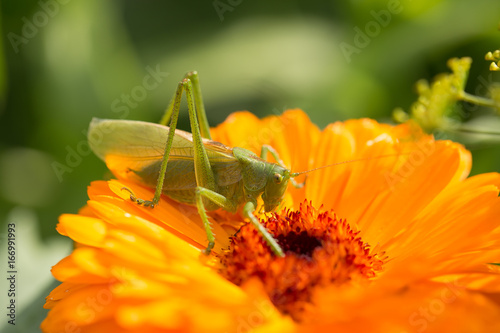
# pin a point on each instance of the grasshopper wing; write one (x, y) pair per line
(134, 150)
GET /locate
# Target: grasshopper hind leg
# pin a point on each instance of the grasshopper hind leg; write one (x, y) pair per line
(175, 104)
(191, 85)
(199, 106)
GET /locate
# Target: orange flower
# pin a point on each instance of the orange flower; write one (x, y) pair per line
(398, 241)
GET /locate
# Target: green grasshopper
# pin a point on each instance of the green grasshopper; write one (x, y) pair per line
(191, 168)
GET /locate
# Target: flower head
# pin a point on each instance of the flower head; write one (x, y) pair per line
(321, 251)
(398, 241)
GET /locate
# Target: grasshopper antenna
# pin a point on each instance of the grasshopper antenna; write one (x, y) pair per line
(295, 174)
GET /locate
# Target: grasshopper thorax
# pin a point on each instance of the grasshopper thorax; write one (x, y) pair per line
(262, 177)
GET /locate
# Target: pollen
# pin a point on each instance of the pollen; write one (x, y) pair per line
(321, 250)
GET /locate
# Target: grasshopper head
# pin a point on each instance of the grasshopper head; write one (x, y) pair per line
(277, 181)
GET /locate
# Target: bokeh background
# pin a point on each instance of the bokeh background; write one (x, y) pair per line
(63, 62)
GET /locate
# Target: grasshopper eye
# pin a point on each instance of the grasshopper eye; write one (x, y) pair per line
(277, 178)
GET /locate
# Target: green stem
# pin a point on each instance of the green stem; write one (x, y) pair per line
(482, 101)
(474, 131)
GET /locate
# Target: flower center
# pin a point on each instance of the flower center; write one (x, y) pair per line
(299, 243)
(321, 250)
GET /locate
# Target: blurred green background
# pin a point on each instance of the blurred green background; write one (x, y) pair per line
(63, 62)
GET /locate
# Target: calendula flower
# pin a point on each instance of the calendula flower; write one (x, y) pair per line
(399, 240)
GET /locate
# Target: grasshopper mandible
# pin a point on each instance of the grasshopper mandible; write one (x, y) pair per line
(191, 168)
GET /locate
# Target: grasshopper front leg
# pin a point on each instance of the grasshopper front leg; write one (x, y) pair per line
(228, 205)
(248, 210)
